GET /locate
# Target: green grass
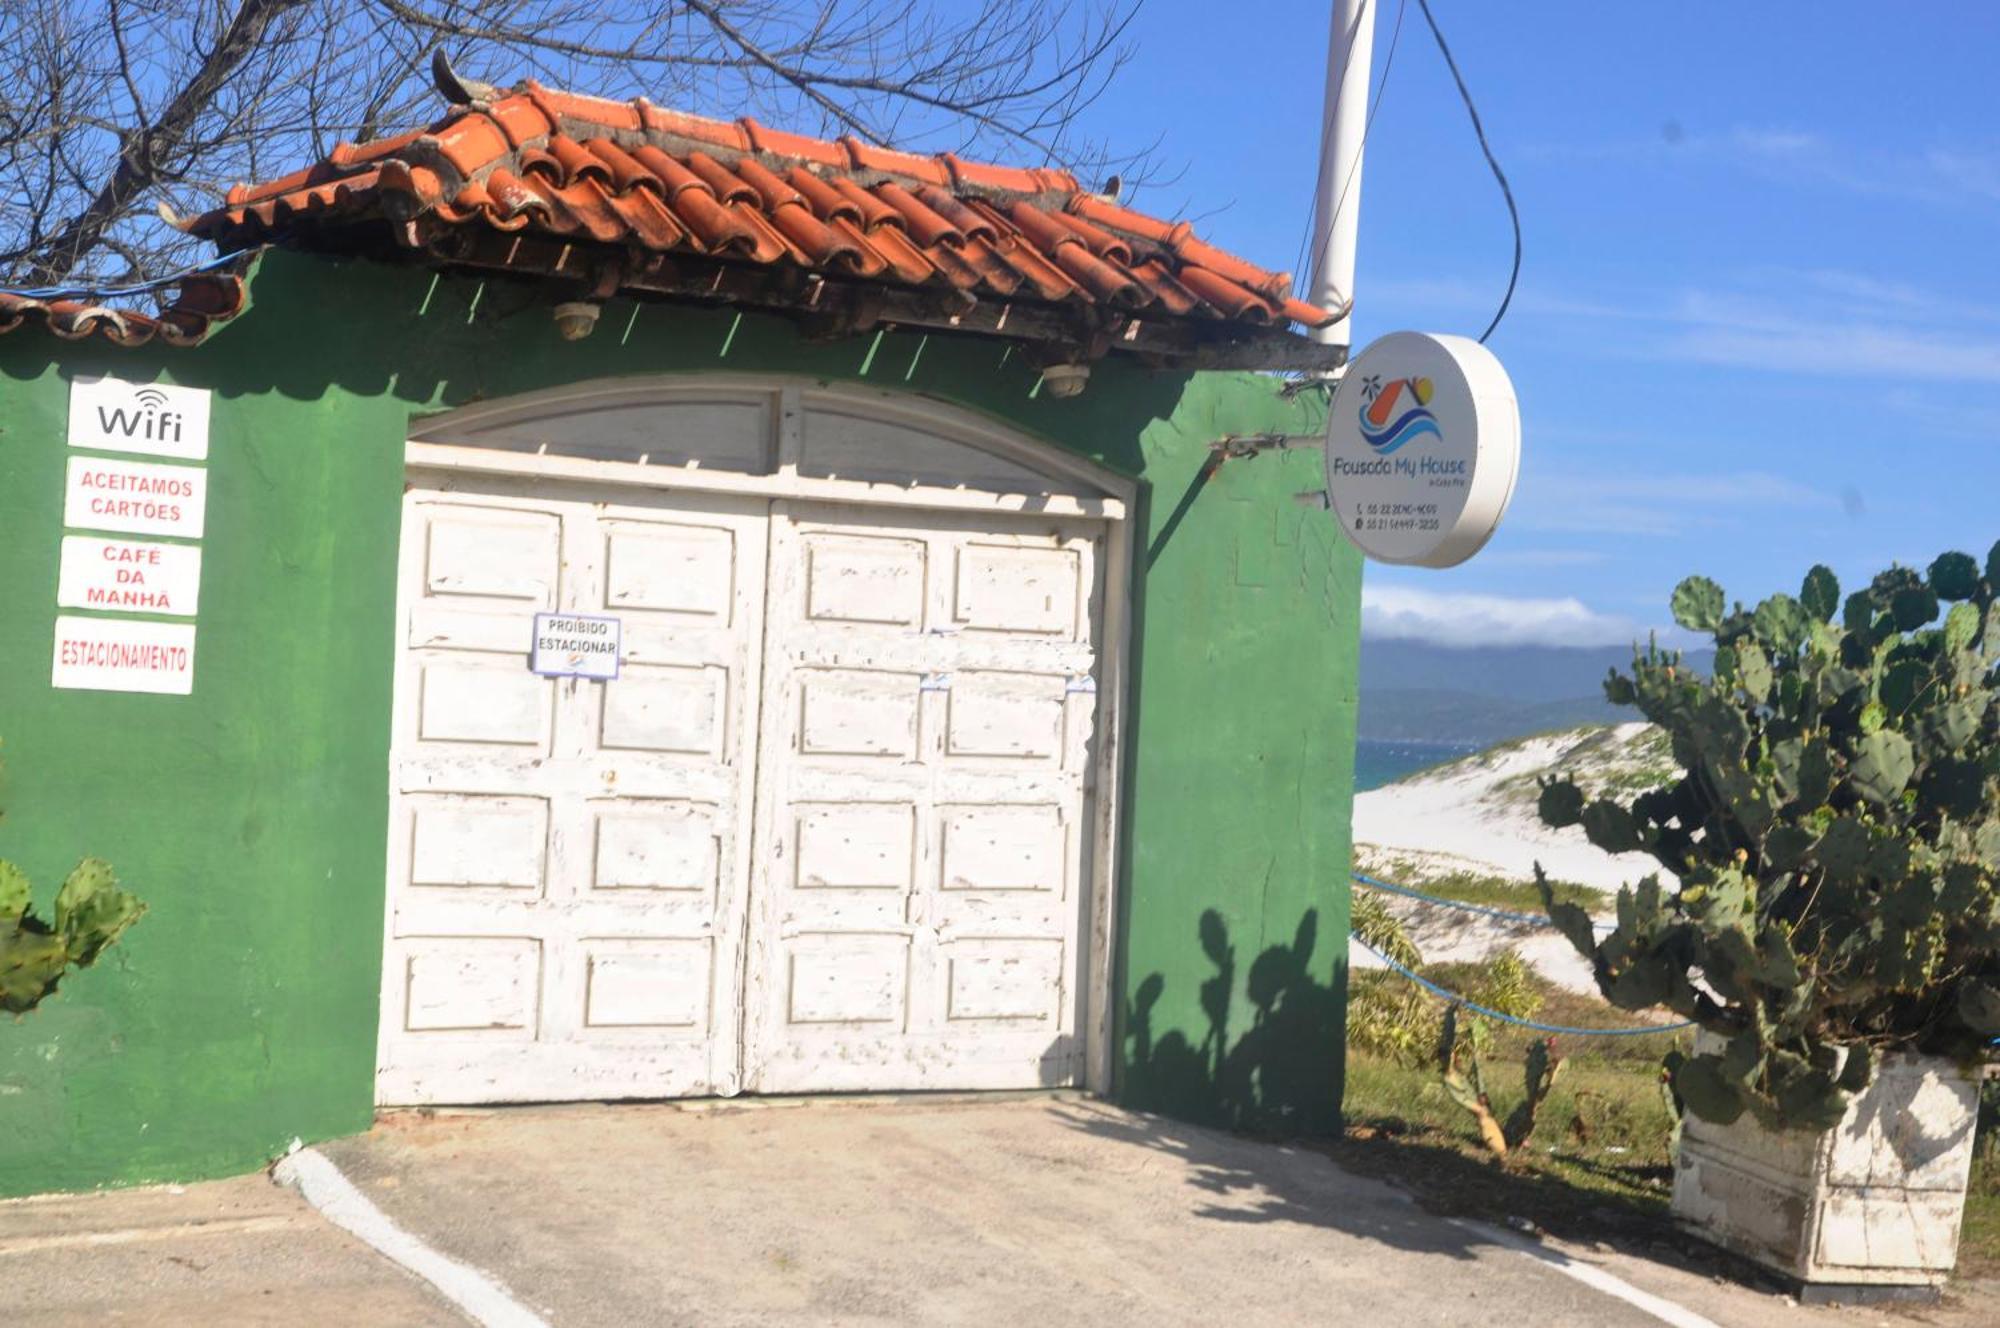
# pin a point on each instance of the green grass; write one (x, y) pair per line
(1600, 1160)
(1979, 1237)
(1476, 888)
(1600, 1163)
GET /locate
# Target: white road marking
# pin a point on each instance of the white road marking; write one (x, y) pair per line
(323, 1186)
(1596, 1278)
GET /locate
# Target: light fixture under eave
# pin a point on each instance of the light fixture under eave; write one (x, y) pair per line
(1065, 380)
(575, 319)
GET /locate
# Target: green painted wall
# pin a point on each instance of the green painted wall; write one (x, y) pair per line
(241, 1012)
(250, 816)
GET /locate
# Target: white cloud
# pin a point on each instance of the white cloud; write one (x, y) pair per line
(1658, 503)
(1938, 175)
(1450, 618)
(1871, 296)
(1779, 143)
(1975, 173)
(1950, 417)
(1809, 323)
(1809, 348)
(1544, 557)
(1737, 487)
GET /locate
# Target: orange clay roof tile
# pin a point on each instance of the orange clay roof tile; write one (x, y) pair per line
(201, 301)
(637, 178)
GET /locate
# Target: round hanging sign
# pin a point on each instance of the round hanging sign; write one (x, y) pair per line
(1423, 442)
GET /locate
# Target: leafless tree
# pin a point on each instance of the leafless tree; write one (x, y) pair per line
(113, 109)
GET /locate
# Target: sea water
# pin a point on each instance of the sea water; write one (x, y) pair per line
(1378, 762)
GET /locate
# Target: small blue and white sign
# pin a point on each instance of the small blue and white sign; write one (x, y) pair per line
(575, 645)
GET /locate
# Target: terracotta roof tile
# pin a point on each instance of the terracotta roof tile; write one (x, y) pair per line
(651, 184)
(202, 301)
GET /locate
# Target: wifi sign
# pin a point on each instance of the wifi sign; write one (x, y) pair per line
(108, 414)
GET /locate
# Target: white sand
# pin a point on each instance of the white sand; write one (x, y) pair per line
(1449, 936)
(1458, 819)
(1452, 818)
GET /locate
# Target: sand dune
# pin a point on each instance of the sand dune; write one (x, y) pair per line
(1477, 816)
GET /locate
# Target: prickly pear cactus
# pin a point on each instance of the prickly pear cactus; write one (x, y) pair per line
(1836, 834)
(90, 913)
(1459, 1070)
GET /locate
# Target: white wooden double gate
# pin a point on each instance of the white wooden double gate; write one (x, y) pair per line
(830, 829)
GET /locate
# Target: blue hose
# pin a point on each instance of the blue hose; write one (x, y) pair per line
(1490, 1013)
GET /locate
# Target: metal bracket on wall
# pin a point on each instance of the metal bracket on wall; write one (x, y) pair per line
(1244, 445)
(1247, 445)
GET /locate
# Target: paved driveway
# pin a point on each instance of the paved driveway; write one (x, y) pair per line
(1040, 1210)
(913, 1212)
(236, 1252)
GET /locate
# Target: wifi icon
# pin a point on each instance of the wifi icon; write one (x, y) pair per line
(123, 416)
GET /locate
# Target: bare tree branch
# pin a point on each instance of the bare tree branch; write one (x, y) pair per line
(110, 109)
(148, 147)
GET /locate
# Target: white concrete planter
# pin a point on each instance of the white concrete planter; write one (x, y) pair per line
(1874, 1202)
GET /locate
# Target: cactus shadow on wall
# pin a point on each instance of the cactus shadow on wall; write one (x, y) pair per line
(1277, 1072)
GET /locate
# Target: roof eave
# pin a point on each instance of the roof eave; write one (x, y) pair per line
(829, 306)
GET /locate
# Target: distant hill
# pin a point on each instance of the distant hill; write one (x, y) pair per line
(1415, 692)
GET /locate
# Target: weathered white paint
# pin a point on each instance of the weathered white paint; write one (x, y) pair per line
(1875, 1201)
(918, 905)
(568, 856)
(947, 928)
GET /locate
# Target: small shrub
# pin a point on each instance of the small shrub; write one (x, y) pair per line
(1390, 1017)
(1372, 921)
(1506, 983)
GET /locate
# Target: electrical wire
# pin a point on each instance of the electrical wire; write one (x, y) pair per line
(117, 292)
(1506, 191)
(1554, 1030)
(1306, 261)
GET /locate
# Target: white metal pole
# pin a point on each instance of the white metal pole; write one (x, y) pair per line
(1349, 48)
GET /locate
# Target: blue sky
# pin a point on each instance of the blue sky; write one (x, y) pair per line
(1758, 324)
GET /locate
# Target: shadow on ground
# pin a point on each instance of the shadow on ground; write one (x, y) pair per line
(1248, 1182)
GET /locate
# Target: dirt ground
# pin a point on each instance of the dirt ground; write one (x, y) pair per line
(234, 1252)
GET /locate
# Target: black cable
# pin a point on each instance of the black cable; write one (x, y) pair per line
(1513, 213)
(1307, 262)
